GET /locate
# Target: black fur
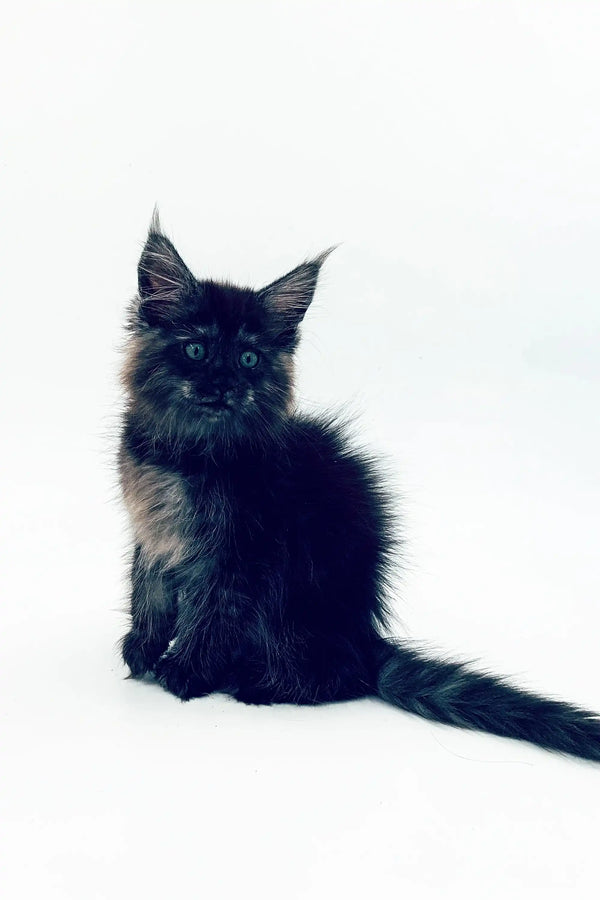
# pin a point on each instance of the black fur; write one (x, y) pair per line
(263, 539)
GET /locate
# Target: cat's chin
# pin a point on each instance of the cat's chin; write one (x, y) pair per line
(213, 424)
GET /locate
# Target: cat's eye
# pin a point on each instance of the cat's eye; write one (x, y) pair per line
(249, 359)
(195, 350)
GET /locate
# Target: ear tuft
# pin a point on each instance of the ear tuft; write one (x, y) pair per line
(320, 259)
(155, 227)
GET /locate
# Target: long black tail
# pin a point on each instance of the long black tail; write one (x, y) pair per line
(453, 693)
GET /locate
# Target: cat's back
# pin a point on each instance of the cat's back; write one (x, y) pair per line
(330, 471)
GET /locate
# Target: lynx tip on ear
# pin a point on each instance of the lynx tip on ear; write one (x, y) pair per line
(320, 259)
(155, 227)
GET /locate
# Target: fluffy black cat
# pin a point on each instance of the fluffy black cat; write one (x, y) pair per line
(262, 539)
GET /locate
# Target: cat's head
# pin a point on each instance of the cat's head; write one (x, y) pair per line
(208, 361)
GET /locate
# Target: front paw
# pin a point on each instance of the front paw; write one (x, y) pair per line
(139, 654)
(254, 696)
(179, 678)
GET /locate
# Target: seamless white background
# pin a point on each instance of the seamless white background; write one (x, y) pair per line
(452, 148)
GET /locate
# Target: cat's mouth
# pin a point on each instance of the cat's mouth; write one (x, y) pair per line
(213, 407)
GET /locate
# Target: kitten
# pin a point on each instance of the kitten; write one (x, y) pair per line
(262, 539)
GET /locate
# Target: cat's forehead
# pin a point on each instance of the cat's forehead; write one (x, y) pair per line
(219, 308)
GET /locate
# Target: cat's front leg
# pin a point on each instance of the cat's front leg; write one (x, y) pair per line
(179, 670)
(153, 613)
(195, 663)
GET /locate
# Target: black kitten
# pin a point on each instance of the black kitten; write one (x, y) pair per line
(262, 539)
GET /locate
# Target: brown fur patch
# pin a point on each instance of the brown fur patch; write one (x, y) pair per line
(160, 511)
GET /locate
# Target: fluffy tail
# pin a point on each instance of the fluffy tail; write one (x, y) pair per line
(452, 693)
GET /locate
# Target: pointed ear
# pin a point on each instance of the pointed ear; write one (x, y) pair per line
(288, 298)
(163, 277)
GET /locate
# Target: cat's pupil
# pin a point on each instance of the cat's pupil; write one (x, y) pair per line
(249, 359)
(195, 350)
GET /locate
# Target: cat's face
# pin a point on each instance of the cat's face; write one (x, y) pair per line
(210, 362)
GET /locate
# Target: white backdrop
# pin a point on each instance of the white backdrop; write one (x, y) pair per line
(452, 148)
